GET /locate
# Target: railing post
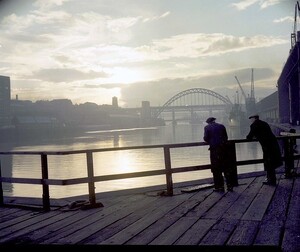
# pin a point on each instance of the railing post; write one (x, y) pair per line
(231, 152)
(1, 189)
(90, 171)
(46, 196)
(168, 171)
(288, 156)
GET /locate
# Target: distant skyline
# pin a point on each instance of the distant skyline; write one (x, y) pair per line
(142, 50)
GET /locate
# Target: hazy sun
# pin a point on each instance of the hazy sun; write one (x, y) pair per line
(125, 75)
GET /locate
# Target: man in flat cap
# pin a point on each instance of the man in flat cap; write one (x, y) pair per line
(261, 131)
(215, 135)
(254, 116)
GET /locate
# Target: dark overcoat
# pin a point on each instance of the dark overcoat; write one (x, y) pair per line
(215, 135)
(261, 131)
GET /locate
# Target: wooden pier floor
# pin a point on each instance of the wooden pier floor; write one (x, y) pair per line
(252, 216)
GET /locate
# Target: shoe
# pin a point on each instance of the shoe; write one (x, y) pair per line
(271, 183)
(229, 189)
(288, 176)
(220, 189)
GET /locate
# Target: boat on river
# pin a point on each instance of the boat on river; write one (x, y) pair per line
(237, 117)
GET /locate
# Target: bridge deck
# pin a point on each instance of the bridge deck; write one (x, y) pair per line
(252, 215)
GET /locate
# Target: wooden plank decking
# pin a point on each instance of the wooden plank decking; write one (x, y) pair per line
(252, 216)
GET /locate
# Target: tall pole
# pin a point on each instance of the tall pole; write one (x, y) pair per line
(252, 85)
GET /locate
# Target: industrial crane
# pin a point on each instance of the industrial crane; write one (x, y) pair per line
(252, 97)
(249, 101)
(243, 93)
(294, 35)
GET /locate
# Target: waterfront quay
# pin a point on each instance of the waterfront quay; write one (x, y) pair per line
(253, 216)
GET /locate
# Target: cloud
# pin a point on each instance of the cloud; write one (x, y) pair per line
(49, 3)
(284, 19)
(97, 49)
(153, 18)
(203, 45)
(117, 25)
(268, 3)
(223, 83)
(66, 75)
(244, 4)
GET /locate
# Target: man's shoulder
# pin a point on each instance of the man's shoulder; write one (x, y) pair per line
(214, 125)
(220, 125)
(262, 123)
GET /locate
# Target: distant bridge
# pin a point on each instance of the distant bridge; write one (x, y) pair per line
(198, 102)
(194, 99)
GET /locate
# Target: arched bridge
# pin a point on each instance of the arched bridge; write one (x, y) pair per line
(195, 99)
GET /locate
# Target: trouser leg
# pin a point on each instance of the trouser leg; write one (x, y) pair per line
(270, 171)
(218, 179)
(271, 175)
(216, 168)
(229, 178)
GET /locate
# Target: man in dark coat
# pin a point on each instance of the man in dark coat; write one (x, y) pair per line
(215, 135)
(261, 131)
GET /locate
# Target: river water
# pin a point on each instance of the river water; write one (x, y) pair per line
(74, 166)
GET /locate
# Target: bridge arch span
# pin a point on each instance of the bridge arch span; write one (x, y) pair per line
(195, 91)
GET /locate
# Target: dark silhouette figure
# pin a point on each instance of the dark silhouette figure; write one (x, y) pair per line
(261, 131)
(215, 135)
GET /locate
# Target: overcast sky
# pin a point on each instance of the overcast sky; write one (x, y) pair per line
(142, 50)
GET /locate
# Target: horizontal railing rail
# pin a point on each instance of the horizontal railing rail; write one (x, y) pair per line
(289, 156)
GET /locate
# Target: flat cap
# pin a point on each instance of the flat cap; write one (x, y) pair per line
(210, 119)
(254, 116)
